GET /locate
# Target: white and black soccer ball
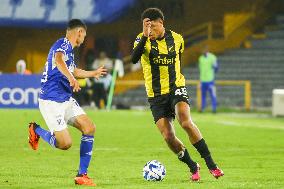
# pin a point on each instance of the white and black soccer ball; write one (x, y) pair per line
(154, 171)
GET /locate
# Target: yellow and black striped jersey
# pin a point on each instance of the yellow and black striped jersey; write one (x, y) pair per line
(161, 63)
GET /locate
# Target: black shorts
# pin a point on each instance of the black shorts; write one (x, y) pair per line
(164, 106)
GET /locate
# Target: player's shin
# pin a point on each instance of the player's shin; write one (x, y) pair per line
(204, 152)
(46, 136)
(86, 149)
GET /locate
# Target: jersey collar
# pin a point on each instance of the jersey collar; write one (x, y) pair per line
(68, 42)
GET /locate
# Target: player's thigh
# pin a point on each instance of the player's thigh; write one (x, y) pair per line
(84, 124)
(76, 117)
(161, 108)
(53, 114)
(182, 111)
(73, 110)
(205, 87)
(180, 105)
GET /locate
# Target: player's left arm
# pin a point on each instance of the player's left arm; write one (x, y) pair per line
(79, 73)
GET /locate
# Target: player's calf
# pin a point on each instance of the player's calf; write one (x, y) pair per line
(169, 137)
(64, 145)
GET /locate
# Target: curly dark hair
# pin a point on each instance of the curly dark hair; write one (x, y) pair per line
(152, 14)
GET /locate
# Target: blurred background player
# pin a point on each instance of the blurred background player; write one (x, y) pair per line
(21, 68)
(208, 66)
(101, 86)
(103, 60)
(56, 104)
(159, 51)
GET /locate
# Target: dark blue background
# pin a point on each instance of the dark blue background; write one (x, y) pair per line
(19, 81)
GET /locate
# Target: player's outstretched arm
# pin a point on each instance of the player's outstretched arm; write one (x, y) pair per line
(59, 60)
(79, 73)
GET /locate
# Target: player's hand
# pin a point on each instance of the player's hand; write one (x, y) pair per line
(74, 84)
(101, 71)
(146, 27)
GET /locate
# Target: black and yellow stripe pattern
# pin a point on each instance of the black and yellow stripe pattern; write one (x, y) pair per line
(161, 63)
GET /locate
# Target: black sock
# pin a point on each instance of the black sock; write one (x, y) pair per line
(185, 157)
(203, 150)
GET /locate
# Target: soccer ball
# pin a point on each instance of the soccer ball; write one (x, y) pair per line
(154, 171)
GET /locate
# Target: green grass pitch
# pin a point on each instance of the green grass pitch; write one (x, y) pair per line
(249, 147)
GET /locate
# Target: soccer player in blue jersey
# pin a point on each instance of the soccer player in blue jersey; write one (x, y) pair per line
(56, 104)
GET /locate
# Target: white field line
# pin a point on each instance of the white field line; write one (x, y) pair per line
(236, 124)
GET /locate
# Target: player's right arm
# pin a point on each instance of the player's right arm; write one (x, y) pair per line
(62, 67)
(140, 41)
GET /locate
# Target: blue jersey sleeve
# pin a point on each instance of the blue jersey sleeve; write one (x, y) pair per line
(61, 46)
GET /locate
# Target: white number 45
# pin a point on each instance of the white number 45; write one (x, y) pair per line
(181, 92)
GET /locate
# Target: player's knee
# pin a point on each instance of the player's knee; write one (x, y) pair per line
(89, 130)
(187, 124)
(182, 116)
(65, 145)
(169, 137)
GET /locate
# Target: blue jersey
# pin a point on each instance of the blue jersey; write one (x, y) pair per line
(54, 85)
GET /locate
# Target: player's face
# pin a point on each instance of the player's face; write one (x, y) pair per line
(205, 49)
(157, 29)
(81, 34)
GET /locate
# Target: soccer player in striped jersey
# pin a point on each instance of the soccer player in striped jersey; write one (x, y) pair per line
(56, 104)
(159, 51)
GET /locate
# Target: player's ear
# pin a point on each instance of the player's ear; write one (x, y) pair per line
(79, 31)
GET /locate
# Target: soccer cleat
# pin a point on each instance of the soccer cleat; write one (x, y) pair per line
(217, 172)
(195, 177)
(33, 137)
(84, 180)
